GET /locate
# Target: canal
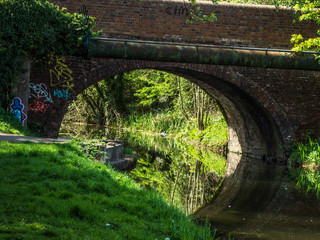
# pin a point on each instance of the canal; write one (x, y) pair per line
(190, 177)
(187, 176)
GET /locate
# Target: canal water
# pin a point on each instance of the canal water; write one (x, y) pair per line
(189, 177)
(185, 175)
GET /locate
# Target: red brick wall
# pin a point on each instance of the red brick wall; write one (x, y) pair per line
(290, 98)
(237, 24)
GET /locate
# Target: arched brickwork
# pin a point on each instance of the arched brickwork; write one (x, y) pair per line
(265, 108)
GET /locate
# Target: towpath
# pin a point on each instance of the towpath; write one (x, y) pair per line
(5, 137)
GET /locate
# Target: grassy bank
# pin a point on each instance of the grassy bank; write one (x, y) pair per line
(10, 125)
(304, 165)
(55, 192)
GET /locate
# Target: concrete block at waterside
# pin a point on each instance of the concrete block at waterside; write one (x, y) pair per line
(113, 151)
(125, 164)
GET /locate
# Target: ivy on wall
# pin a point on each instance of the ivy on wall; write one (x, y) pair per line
(37, 30)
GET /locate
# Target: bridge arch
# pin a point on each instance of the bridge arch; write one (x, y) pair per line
(248, 108)
(265, 108)
(255, 137)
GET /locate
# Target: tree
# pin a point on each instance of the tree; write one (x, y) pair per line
(309, 12)
(158, 89)
(36, 30)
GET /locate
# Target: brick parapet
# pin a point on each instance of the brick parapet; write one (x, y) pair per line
(237, 24)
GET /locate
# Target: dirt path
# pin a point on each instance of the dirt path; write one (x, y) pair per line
(5, 137)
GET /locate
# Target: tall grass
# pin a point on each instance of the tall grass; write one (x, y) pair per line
(51, 191)
(216, 134)
(304, 166)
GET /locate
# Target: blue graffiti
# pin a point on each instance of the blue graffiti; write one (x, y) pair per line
(39, 91)
(62, 93)
(17, 110)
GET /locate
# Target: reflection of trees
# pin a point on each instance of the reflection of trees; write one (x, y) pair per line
(185, 175)
(196, 187)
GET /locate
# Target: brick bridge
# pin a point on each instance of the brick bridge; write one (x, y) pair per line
(266, 108)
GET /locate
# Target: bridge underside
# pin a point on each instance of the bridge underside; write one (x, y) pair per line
(261, 119)
(254, 160)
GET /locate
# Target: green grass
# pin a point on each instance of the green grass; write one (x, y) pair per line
(52, 191)
(10, 125)
(304, 165)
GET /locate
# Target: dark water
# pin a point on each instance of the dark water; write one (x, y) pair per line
(189, 177)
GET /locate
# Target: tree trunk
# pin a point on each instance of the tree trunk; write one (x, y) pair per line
(175, 183)
(181, 99)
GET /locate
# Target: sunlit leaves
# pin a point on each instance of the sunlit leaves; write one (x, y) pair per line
(309, 11)
(159, 88)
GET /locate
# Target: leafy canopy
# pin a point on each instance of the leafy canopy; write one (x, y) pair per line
(309, 12)
(37, 30)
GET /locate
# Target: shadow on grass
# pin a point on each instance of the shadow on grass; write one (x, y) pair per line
(52, 191)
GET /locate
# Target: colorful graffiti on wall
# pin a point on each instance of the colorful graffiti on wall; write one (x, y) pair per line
(39, 91)
(62, 93)
(37, 105)
(60, 75)
(40, 97)
(17, 110)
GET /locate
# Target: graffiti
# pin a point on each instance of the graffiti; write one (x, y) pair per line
(40, 90)
(17, 110)
(62, 93)
(37, 105)
(60, 75)
(177, 11)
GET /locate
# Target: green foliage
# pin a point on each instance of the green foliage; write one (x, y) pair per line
(308, 11)
(152, 101)
(196, 13)
(53, 191)
(215, 135)
(304, 166)
(37, 30)
(263, 2)
(159, 89)
(92, 149)
(8, 124)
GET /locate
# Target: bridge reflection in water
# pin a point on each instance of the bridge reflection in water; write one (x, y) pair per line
(263, 206)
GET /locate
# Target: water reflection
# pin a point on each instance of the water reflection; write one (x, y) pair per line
(188, 177)
(185, 175)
